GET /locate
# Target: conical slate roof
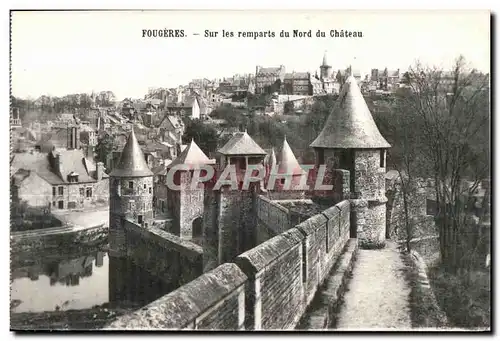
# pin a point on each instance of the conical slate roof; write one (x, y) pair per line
(132, 162)
(241, 144)
(288, 163)
(192, 155)
(350, 124)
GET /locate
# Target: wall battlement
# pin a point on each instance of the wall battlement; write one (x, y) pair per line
(267, 287)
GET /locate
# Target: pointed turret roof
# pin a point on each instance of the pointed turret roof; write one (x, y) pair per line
(325, 61)
(132, 162)
(241, 144)
(192, 155)
(288, 163)
(350, 124)
(272, 158)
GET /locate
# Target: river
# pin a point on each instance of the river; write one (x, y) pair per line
(49, 281)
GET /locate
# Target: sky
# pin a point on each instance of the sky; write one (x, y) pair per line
(59, 53)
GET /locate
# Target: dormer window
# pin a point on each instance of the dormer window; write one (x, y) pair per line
(73, 177)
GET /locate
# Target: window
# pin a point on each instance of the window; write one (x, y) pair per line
(54, 192)
(61, 205)
(82, 191)
(54, 203)
(145, 186)
(61, 190)
(139, 219)
(382, 158)
(150, 190)
(89, 192)
(282, 181)
(131, 185)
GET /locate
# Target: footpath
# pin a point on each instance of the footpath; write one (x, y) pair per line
(377, 295)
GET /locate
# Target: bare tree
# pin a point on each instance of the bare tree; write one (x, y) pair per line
(402, 129)
(453, 111)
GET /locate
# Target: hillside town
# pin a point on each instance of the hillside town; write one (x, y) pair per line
(57, 158)
(71, 155)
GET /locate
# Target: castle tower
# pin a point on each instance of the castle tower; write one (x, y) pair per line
(186, 203)
(350, 140)
(229, 220)
(130, 193)
(325, 69)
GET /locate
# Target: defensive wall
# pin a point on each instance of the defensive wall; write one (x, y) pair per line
(154, 263)
(265, 288)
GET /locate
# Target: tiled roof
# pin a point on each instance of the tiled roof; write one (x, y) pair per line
(132, 162)
(350, 124)
(297, 75)
(72, 161)
(241, 144)
(56, 137)
(192, 156)
(163, 168)
(271, 70)
(188, 102)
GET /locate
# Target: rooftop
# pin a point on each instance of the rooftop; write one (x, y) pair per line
(241, 144)
(132, 162)
(192, 155)
(288, 163)
(350, 124)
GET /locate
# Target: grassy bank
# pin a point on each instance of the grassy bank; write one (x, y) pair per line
(85, 319)
(425, 310)
(465, 297)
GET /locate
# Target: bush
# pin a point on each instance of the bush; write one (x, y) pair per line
(465, 296)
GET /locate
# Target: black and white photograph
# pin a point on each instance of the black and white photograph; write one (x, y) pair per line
(250, 170)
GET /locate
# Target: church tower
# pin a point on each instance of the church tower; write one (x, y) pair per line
(350, 140)
(130, 194)
(325, 69)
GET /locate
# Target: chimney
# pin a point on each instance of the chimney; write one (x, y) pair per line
(58, 164)
(89, 152)
(73, 137)
(99, 170)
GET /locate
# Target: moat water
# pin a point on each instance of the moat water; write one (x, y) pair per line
(52, 280)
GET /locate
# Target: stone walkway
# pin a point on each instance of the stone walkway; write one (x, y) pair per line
(377, 295)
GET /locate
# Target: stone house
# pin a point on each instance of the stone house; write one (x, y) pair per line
(297, 83)
(189, 107)
(266, 77)
(61, 179)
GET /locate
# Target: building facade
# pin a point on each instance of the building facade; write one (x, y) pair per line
(265, 78)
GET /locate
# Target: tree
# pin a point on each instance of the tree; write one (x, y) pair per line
(453, 111)
(205, 136)
(403, 131)
(104, 148)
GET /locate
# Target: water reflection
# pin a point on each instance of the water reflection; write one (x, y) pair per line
(48, 282)
(57, 283)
